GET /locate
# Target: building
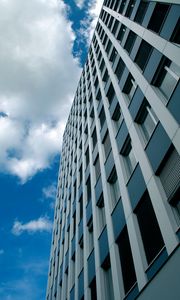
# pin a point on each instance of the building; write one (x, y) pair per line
(117, 214)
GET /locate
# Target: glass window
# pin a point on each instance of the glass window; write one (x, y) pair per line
(114, 187)
(175, 38)
(127, 265)
(141, 12)
(115, 26)
(167, 77)
(102, 117)
(81, 208)
(94, 138)
(121, 33)
(110, 94)
(88, 186)
(158, 17)
(93, 289)
(143, 54)
(147, 119)
(101, 214)
(169, 174)
(122, 6)
(149, 228)
(130, 8)
(97, 168)
(130, 160)
(130, 87)
(130, 41)
(119, 69)
(107, 145)
(87, 157)
(113, 56)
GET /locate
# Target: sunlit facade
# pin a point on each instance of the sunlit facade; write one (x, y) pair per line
(117, 214)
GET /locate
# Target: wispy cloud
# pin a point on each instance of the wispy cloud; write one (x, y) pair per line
(1, 251)
(40, 225)
(49, 192)
(80, 3)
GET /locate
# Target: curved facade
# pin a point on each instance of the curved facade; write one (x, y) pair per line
(117, 214)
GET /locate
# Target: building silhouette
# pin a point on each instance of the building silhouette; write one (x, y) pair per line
(117, 213)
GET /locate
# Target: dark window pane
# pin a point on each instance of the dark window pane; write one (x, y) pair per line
(141, 12)
(130, 41)
(158, 17)
(127, 265)
(149, 228)
(143, 54)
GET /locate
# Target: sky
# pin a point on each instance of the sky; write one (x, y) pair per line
(43, 46)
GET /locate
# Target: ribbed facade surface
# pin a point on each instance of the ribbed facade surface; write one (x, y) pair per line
(117, 213)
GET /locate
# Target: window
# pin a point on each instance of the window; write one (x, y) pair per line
(107, 145)
(175, 38)
(81, 208)
(114, 187)
(105, 76)
(101, 215)
(127, 265)
(167, 77)
(122, 6)
(130, 41)
(143, 54)
(149, 228)
(158, 17)
(113, 55)
(93, 289)
(169, 174)
(94, 138)
(130, 87)
(88, 186)
(102, 117)
(108, 279)
(102, 65)
(130, 8)
(74, 223)
(117, 117)
(90, 235)
(108, 47)
(80, 174)
(130, 160)
(87, 157)
(97, 168)
(119, 69)
(115, 26)
(147, 119)
(141, 12)
(121, 33)
(110, 94)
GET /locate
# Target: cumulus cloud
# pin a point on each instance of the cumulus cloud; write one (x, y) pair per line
(38, 78)
(40, 225)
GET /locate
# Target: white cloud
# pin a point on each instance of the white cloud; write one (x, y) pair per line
(50, 191)
(1, 251)
(80, 3)
(88, 24)
(38, 78)
(33, 226)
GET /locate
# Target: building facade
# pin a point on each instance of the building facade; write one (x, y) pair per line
(117, 213)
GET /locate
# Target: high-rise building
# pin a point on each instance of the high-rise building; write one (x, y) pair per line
(117, 214)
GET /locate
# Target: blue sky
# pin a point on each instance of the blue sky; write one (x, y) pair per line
(43, 45)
